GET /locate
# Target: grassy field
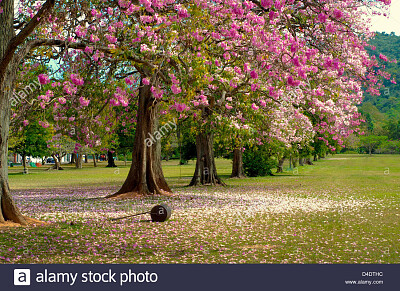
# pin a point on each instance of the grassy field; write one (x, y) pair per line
(343, 209)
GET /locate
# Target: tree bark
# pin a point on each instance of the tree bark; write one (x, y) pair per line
(280, 165)
(10, 59)
(57, 162)
(73, 158)
(308, 161)
(24, 164)
(294, 162)
(237, 164)
(94, 160)
(206, 171)
(86, 159)
(8, 209)
(110, 159)
(301, 161)
(78, 161)
(145, 175)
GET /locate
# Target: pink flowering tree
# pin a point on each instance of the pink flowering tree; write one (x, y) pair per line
(301, 55)
(192, 57)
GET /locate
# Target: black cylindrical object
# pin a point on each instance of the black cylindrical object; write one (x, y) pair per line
(160, 213)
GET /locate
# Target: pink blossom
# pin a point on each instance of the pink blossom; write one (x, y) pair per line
(254, 87)
(331, 28)
(293, 82)
(44, 124)
(128, 81)
(25, 122)
(43, 79)
(94, 38)
(383, 57)
(253, 75)
(88, 49)
(322, 17)
(83, 101)
(337, 13)
(246, 67)
(62, 100)
(146, 81)
(181, 107)
(254, 106)
(237, 70)
(266, 3)
(157, 92)
(111, 38)
(175, 89)
(77, 80)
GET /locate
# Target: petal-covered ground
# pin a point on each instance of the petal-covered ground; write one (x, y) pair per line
(298, 220)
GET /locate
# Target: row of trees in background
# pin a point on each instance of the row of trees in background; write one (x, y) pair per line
(237, 75)
(381, 111)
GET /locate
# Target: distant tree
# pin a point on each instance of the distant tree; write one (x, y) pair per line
(125, 140)
(33, 142)
(393, 128)
(371, 142)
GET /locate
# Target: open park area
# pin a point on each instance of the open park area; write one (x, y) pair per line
(343, 209)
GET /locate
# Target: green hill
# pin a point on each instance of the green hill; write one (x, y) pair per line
(388, 102)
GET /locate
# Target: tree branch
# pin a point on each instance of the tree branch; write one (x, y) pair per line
(22, 35)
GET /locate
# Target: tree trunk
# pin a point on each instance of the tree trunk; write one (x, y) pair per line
(73, 158)
(24, 164)
(301, 161)
(237, 165)
(294, 161)
(56, 162)
(315, 158)
(10, 59)
(145, 175)
(94, 160)
(110, 158)
(206, 171)
(8, 210)
(280, 165)
(308, 161)
(86, 159)
(78, 161)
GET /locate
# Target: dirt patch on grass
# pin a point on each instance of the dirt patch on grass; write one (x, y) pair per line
(31, 222)
(136, 195)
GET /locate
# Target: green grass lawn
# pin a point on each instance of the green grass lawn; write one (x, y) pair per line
(343, 209)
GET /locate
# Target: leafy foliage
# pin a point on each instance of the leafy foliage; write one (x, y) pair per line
(258, 162)
(33, 141)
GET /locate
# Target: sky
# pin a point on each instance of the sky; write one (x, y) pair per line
(391, 24)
